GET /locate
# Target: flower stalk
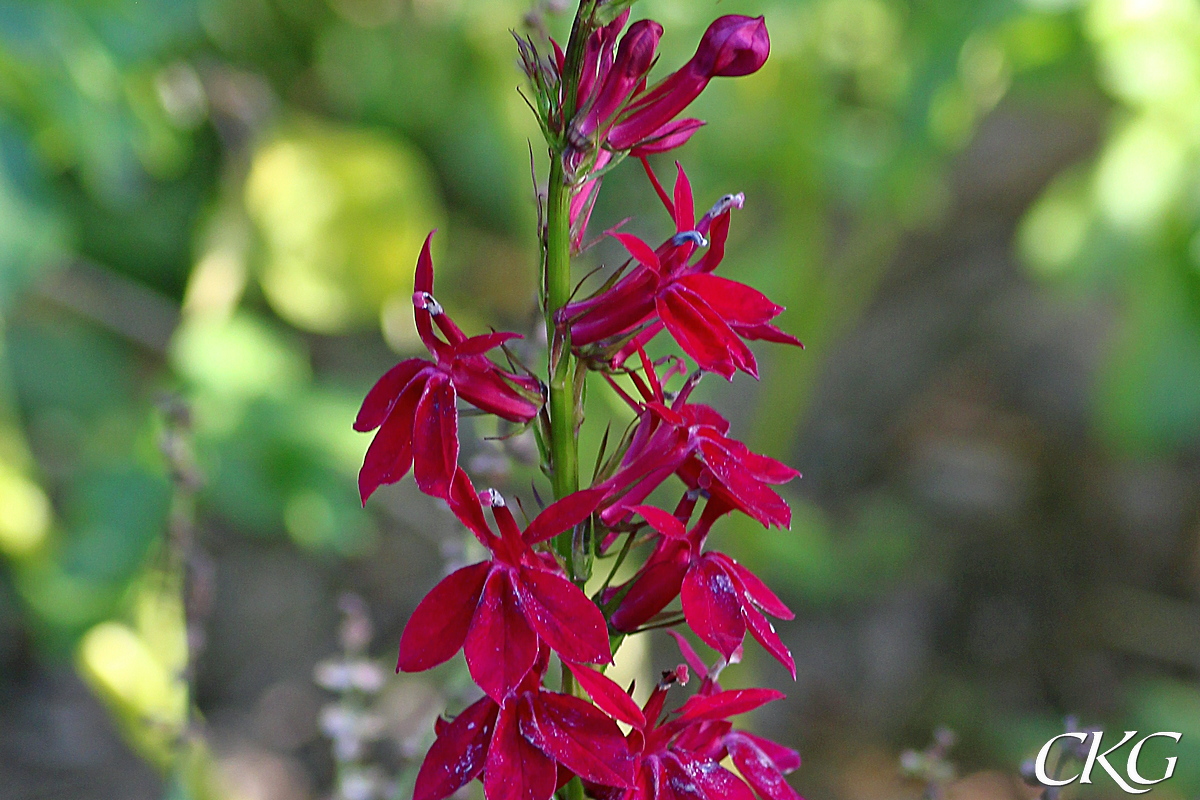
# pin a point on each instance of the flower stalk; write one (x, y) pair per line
(525, 601)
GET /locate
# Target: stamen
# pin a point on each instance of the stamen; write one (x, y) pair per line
(493, 498)
(727, 202)
(695, 237)
(425, 301)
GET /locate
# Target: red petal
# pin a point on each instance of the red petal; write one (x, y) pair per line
(735, 302)
(383, 395)
(753, 496)
(458, 754)
(666, 524)
(641, 252)
(758, 769)
(726, 704)
(500, 647)
(563, 515)
(700, 331)
(478, 345)
(657, 586)
(712, 606)
(766, 333)
(464, 502)
(685, 214)
(435, 437)
(563, 616)
(689, 654)
(516, 770)
(758, 591)
(608, 696)
(762, 630)
(390, 454)
(578, 735)
(785, 759)
(713, 781)
(439, 624)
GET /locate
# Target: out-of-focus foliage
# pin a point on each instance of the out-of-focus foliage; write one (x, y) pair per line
(221, 201)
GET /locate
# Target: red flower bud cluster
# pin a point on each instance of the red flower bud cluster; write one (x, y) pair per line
(511, 612)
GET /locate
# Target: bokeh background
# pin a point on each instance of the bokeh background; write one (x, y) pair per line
(983, 217)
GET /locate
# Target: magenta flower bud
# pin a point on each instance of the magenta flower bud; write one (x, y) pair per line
(733, 45)
(635, 54)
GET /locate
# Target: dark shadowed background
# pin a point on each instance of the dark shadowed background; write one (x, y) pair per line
(983, 217)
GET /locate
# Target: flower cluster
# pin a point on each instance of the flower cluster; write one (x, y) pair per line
(532, 599)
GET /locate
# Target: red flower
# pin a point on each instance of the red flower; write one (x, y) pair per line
(721, 598)
(689, 440)
(497, 611)
(519, 742)
(679, 756)
(414, 403)
(708, 316)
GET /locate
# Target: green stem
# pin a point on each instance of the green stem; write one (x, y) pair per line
(564, 446)
(564, 451)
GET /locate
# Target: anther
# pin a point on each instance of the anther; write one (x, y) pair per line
(727, 202)
(425, 301)
(695, 237)
(493, 498)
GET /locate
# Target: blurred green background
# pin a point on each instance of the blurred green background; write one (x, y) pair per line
(983, 217)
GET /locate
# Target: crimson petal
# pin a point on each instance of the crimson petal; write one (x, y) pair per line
(762, 630)
(391, 454)
(726, 704)
(440, 622)
(563, 616)
(435, 437)
(500, 647)
(563, 515)
(608, 696)
(383, 395)
(712, 606)
(458, 754)
(758, 769)
(516, 770)
(576, 734)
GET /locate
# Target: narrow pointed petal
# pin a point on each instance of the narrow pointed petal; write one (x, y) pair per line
(435, 437)
(712, 606)
(577, 735)
(785, 759)
(729, 703)
(390, 455)
(762, 630)
(563, 616)
(384, 394)
(563, 515)
(439, 624)
(661, 521)
(735, 302)
(685, 212)
(458, 754)
(713, 781)
(464, 502)
(752, 496)
(766, 333)
(642, 253)
(699, 330)
(478, 345)
(423, 282)
(489, 388)
(759, 770)
(689, 654)
(758, 591)
(516, 770)
(670, 136)
(608, 696)
(500, 646)
(657, 586)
